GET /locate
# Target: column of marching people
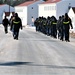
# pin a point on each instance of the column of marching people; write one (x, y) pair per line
(49, 26)
(52, 27)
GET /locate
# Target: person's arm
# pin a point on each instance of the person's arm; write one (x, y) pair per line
(21, 24)
(71, 24)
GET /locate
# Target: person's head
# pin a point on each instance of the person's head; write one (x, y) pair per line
(16, 15)
(66, 15)
(59, 17)
(4, 16)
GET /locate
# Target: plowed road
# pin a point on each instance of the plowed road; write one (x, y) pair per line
(35, 54)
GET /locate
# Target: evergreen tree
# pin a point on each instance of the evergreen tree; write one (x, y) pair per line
(45, 0)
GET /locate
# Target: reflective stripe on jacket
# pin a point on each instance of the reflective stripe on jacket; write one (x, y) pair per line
(66, 22)
(16, 22)
(54, 23)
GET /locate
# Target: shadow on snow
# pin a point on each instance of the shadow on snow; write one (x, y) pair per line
(13, 63)
(37, 65)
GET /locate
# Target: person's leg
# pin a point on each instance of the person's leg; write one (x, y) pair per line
(17, 34)
(5, 29)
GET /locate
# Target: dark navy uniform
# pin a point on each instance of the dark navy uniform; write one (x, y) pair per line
(16, 25)
(54, 30)
(5, 23)
(67, 24)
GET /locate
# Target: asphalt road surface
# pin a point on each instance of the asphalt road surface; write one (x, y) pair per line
(35, 54)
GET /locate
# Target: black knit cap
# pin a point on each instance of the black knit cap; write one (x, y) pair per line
(16, 15)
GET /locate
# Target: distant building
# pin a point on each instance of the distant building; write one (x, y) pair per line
(28, 11)
(48, 8)
(5, 10)
(71, 14)
(55, 7)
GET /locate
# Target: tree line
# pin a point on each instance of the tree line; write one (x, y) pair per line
(14, 2)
